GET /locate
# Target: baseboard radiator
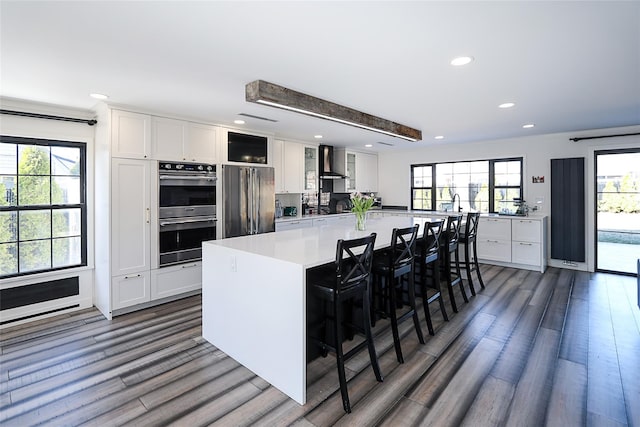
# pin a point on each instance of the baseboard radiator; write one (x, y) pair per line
(21, 296)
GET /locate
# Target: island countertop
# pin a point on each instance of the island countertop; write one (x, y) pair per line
(309, 247)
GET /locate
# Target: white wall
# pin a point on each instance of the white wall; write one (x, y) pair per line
(395, 172)
(64, 131)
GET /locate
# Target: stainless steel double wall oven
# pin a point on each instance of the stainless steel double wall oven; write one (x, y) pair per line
(187, 210)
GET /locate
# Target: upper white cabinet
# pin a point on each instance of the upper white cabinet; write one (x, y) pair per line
(366, 172)
(130, 135)
(178, 140)
(200, 143)
(310, 168)
(288, 161)
(360, 169)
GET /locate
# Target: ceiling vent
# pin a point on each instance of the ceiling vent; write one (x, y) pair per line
(257, 117)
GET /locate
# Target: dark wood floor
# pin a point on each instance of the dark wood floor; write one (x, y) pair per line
(531, 349)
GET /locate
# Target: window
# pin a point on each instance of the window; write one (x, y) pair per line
(42, 205)
(483, 186)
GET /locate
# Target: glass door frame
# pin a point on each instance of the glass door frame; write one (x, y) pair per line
(597, 153)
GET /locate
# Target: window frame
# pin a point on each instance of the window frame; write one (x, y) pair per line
(82, 204)
(491, 181)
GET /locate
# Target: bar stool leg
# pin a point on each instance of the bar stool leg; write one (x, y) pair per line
(391, 289)
(412, 304)
(475, 260)
(447, 271)
(459, 274)
(369, 336)
(340, 358)
(469, 267)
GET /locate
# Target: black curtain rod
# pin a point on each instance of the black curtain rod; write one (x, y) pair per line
(602, 136)
(90, 122)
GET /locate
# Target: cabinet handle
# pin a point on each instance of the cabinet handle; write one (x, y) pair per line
(525, 244)
(526, 221)
(147, 215)
(492, 241)
(190, 266)
(132, 277)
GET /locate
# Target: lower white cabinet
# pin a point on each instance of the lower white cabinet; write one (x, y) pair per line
(494, 239)
(130, 289)
(525, 253)
(176, 279)
(292, 225)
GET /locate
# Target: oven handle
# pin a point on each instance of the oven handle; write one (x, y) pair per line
(188, 177)
(187, 221)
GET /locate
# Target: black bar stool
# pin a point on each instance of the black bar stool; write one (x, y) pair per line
(429, 269)
(343, 284)
(449, 248)
(391, 266)
(468, 239)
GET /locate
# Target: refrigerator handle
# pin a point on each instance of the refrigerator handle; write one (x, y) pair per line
(250, 199)
(252, 213)
(256, 198)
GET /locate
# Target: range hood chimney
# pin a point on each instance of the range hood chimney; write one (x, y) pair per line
(326, 163)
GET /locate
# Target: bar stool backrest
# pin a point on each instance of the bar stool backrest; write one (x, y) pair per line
(471, 228)
(452, 233)
(354, 258)
(432, 235)
(403, 246)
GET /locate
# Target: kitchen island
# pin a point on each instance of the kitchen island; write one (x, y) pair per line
(254, 295)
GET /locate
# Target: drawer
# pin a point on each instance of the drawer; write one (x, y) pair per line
(525, 230)
(494, 250)
(175, 280)
(130, 289)
(525, 253)
(494, 228)
(291, 225)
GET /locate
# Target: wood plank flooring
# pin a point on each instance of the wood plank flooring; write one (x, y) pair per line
(557, 349)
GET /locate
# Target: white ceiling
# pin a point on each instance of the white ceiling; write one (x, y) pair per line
(568, 66)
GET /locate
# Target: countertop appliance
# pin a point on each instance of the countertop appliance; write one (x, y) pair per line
(290, 211)
(187, 210)
(248, 195)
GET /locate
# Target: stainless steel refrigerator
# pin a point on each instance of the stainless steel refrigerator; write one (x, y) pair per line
(248, 197)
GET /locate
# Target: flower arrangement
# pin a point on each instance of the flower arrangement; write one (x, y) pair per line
(360, 205)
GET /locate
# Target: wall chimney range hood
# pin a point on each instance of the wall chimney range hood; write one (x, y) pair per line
(326, 163)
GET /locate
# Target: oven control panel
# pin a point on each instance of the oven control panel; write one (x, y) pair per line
(187, 167)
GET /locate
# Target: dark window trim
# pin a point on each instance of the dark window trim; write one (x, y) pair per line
(82, 205)
(492, 185)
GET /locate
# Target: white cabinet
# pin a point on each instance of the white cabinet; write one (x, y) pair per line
(201, 143)
(131, 216)
(516, 242)
(178, 140)
(360, 169)
(529, 242)
(130, 135)
(310, 172)
(494, 239)
(130, 289)
(175, 280)
(366, 173)
(292, 225)
(288, 164)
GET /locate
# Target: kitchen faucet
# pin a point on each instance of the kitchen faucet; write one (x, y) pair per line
(453, 203)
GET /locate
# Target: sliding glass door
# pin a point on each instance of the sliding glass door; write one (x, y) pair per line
(617, 210)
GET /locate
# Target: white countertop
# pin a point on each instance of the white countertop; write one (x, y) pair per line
(314, 246)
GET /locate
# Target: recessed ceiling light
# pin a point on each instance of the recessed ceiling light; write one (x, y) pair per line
(98, 96)
(239, 122)
(528, 126)
(368, 145)
(438, 137)
(461, 60)
(317, 136)
(506, 105)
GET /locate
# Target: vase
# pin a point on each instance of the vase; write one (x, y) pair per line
(361, 221)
